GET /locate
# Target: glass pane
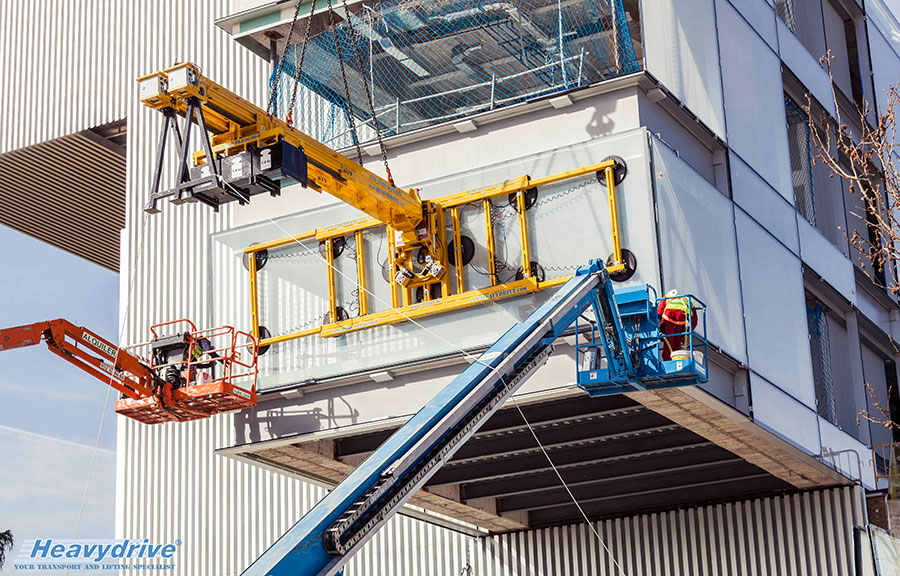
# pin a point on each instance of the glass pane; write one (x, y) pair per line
(570, 224)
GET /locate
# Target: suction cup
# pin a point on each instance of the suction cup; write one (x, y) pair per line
(530, 199)
(341, 315)
(537, 271)
(630, 266)
(261, 258)
(619, 172)
(468, 250)
(434, 292)
(337, 247)
(263, 335)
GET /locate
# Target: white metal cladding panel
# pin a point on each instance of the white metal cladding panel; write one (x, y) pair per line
(63, 67)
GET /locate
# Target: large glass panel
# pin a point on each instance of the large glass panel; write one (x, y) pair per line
(763, 203)
(784, 415)
(877, 405)
(569, 224)
(846, 390)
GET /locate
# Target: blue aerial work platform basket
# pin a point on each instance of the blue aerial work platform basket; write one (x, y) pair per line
(600, 373)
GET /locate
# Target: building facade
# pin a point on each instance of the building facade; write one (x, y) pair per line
(765, 469)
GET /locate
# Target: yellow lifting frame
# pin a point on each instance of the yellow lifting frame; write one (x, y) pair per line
(448, 302)
(237, 124)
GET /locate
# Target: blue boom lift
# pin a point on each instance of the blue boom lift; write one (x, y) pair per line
(622, 354)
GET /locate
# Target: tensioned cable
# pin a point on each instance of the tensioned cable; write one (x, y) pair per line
(109, 388)
(474, 359)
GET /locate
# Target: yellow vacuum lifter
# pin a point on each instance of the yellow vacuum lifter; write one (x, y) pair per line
(252, 152)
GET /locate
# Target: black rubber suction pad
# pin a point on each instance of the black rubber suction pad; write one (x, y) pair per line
(263, 334)
(434, 292)
(619, 172)
(530, 199)
(468, 250)
(337, 247)
(630, 266)
(341, 315)
(261, 258)
(537, 271)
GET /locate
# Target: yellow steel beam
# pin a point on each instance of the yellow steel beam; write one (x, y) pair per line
(254, 297)
(516, 184)
(237, 123)
(332, 289)
(291, 336)
(361, 274)
(489, 225)
(457, 251)
(393, 264)
(614, 221)
(280, 242)
(454, 302)
(442, 226)
(523, 234)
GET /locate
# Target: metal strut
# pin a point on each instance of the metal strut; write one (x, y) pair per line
(185, 184)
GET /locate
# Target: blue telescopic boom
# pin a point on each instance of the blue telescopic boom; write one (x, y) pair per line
(327, 536)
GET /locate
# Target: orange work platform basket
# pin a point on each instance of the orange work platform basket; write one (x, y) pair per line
(198, 373)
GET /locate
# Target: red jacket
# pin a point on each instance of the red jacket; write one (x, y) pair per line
(675, 316)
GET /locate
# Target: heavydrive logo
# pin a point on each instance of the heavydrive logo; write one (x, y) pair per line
(52, 553)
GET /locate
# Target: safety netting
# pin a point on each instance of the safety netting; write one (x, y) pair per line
(820, 350)
(403, 65)
(801, 152)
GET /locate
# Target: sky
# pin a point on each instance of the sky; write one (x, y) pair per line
(49, 409)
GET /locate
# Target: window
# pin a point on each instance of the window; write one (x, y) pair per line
(877, 365)
(817, 196)
(862, 223)
(841, 40)
(820, 350)
(800, 146)
(804, 18)
(837, 381)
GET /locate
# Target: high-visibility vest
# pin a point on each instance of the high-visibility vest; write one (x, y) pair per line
(682, 303)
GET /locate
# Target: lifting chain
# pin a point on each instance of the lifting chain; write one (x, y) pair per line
(340, 54)
(298, 69)
(274, 89)
(370, 100)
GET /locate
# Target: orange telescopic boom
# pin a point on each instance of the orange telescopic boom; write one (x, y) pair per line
(93, 354)
(193, 373)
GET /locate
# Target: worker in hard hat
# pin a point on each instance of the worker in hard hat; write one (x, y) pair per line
(201, 347)
(674, 312)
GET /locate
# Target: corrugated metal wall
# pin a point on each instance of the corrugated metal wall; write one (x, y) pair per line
(64, 67)
(808, 534)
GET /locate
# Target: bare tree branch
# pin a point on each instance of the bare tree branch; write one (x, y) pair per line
(865, 160)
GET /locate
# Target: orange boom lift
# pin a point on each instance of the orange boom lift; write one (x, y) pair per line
(191, 373)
